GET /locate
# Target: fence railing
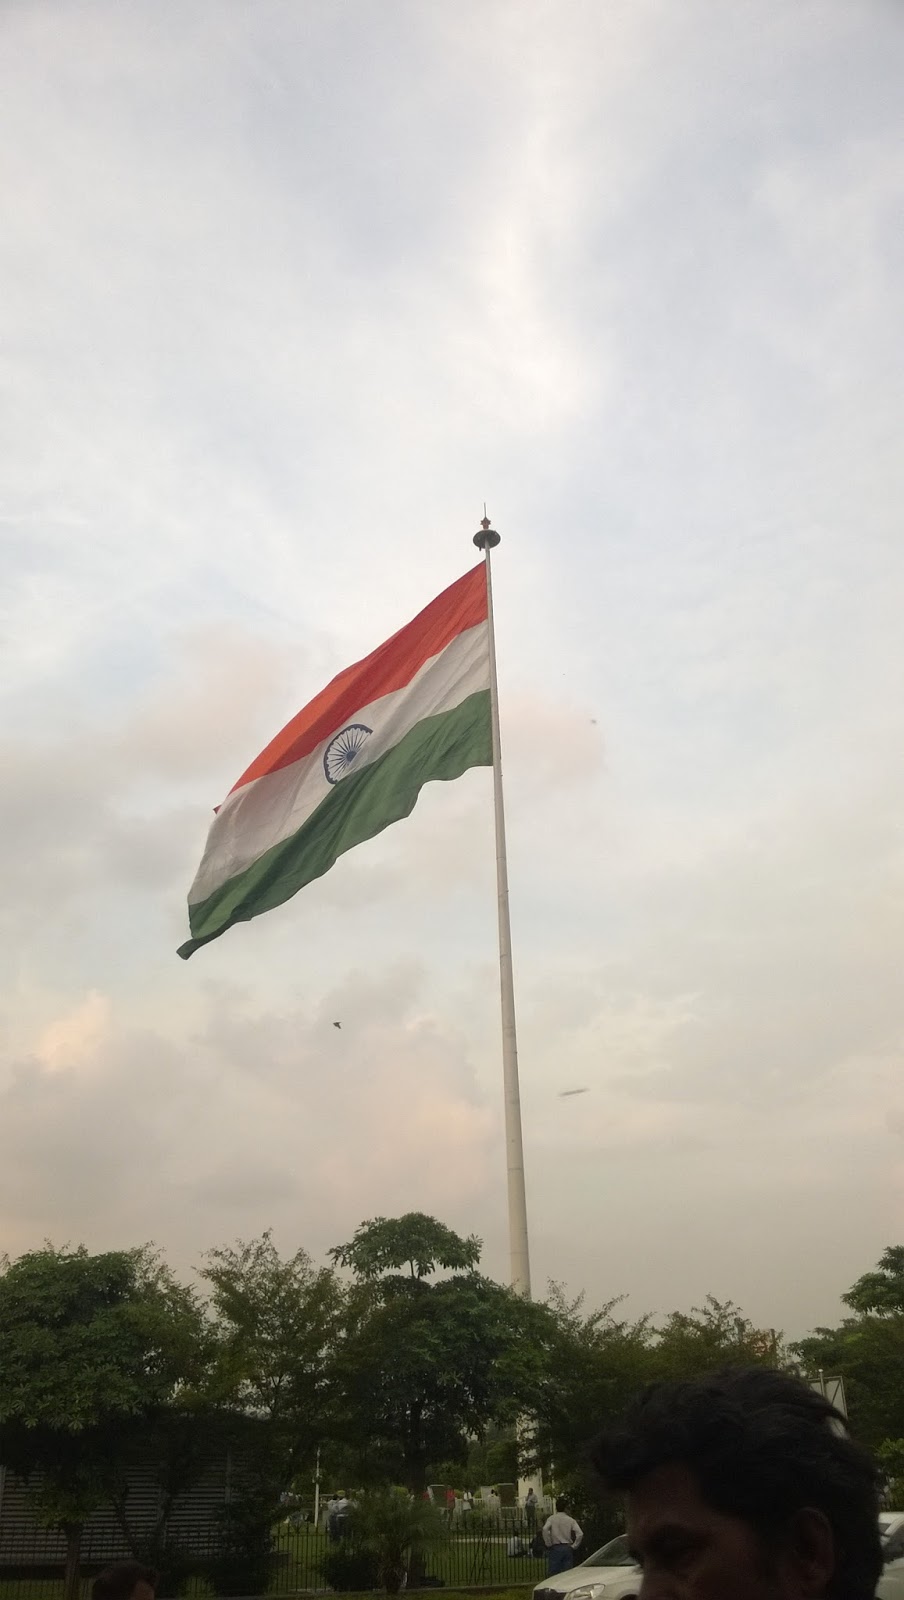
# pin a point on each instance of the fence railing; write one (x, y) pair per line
(484, 1552)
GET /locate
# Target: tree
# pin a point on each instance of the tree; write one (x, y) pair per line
(415, 1241)
(278, 1323)
(422, 1366)
(599, 1360)
(867, 1351)
(880, 1293)
(93, 1347)
(716, 1334)
(595, 1361)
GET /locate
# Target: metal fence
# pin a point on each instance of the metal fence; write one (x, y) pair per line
(482, 1553)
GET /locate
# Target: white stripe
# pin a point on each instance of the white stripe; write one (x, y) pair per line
(273, 807)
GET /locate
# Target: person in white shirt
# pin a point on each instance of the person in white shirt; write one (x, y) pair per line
(561, 1536)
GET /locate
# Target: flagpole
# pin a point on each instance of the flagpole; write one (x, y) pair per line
(486, 540)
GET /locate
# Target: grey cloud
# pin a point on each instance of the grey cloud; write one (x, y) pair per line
(135, 1133)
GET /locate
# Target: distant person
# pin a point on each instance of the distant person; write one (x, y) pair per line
(125, 1580)
(561, 1536)
(744, 1486)
(343, 1507)
(332, 1518)
(530, 1511)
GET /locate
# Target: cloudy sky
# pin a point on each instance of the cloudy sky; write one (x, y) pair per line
(287, 290)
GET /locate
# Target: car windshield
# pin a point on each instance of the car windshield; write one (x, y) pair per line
(613, 1554)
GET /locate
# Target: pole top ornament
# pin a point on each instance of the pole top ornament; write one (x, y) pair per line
(486, 537)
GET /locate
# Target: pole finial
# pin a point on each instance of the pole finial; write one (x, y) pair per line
(486, 537)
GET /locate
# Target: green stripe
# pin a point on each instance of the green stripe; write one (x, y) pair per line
(361, 805)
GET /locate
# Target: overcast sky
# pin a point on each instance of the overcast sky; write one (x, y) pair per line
(287, 290)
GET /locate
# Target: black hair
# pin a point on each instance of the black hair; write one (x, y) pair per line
(762, 1446)
(117, 1581)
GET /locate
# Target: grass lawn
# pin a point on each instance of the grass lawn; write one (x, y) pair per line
(462, 1562)
(469, 1563)
(47, 1589)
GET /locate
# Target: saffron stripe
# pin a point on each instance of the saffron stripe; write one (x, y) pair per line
(389, 667)
(276, 805)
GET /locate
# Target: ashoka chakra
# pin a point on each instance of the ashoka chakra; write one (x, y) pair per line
(342, 752)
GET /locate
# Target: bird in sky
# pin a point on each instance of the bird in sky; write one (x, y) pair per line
(565, 1094)
(337, 1024)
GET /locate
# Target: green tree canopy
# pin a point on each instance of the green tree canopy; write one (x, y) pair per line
(596, 1362)
(93, 1346)
(86, 1338)
(880, 1293)
(424, 1365)
(278, 1322)
(600, 1359)
(867, 1351)
(415, 1241)
(716, 1334)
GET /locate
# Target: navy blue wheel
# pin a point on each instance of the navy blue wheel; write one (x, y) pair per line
(343, 751)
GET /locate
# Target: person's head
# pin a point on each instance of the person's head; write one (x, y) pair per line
(744, 1484)
(561, 1503)
(125, 1580)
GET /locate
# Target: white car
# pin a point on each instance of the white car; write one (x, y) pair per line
(609, 1574)
(891, 1583)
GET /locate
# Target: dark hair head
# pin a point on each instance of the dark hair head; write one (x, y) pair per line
(762, 1446)
(561, 1503)
(117, 1581)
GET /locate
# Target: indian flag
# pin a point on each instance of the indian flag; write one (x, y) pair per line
(352, 762)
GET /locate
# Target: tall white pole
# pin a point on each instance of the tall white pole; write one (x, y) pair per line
(486, 540)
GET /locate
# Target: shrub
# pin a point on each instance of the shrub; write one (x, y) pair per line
(350, 1567)
(243, 1562)
(397, 1530)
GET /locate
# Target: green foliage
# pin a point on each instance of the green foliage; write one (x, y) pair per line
(881, 1292)
(490, 1459)
(93, 1348)
(423, 1368)
(278, 1324)
(890, 1457)
(867, 1351)
(396, 1529)
(86, 1338)
(596, 1361)
(345, 1567)
(243, 1564)
(715, 1334)
(599, 1360)
(415, 1241)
